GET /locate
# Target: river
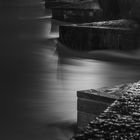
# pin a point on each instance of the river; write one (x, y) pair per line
(38, 85)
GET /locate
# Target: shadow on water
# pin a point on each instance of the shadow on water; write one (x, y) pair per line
(115, 56)
(63, 130)
(108, 67)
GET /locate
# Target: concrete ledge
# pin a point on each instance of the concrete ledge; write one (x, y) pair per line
(91, 103)
(86, 38)
(121, 119)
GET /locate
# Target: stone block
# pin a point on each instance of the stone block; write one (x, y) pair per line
(91, 103)
(121, 119)
(54, 3)
(87, 37)
(78, 12)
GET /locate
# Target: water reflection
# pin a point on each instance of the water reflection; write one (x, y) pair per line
(99, 73)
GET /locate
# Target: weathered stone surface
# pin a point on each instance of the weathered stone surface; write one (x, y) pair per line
(54, 3)
(103, 93)
(74, 2)
(112, 9)
(83, 118)
(92, 37)
(93, 106)
(89, 109)
(78, 13)
(92, 102)
(60, 3)
(121, 120)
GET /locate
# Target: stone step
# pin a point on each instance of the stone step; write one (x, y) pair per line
(91, 103)
(107, 10)
(55, 3)
(87, 37)
(78, 12)
(121, 119)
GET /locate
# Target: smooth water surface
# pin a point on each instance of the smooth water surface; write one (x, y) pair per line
(38, 86)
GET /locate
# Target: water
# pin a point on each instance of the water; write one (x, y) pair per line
(38, 85)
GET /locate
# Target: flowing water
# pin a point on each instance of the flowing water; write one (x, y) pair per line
(38, 86)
